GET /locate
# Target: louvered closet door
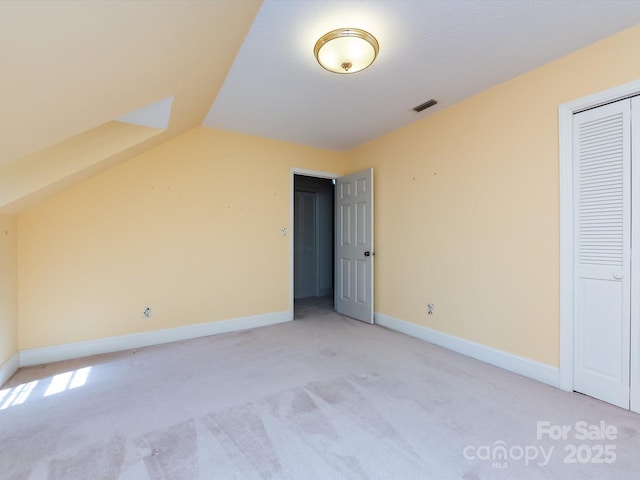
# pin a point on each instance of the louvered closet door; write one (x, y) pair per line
(602, 165)
(634, 364)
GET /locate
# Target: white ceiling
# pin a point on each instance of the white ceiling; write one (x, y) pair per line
(442, 49)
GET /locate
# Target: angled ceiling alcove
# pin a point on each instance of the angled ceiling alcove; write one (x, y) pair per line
(76, 158)
(87, 85)
(155, 115)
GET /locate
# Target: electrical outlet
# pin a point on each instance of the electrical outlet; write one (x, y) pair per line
(430, 309)
(146, 312)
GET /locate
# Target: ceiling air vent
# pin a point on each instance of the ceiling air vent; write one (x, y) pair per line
(425, 105)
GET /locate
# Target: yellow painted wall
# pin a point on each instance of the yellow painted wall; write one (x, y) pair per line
(190, 228)
(467, 205)
(467, 218)
(8, 288)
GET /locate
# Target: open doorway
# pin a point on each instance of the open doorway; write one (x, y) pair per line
(313, 244)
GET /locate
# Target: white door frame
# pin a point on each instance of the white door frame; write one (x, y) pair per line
(309, 173)
(565, 118)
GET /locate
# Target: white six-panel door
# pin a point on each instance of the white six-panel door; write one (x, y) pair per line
(602, 252)
(354, 245)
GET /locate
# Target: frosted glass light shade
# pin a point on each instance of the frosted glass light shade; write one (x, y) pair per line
(346, 50)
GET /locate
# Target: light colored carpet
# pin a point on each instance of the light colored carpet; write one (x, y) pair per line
(322, 397)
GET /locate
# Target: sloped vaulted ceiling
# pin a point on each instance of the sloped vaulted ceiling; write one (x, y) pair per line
(85, 84)
(71, 69)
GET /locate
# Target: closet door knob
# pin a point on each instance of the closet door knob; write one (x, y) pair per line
(618, 276)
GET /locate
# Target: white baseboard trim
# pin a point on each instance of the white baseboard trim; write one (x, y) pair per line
(8, 368)
(38, 356)
(508, 361)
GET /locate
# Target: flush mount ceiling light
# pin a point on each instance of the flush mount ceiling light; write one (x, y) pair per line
(346, 50)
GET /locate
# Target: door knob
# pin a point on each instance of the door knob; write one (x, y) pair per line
(367, 253)
(618, 276)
